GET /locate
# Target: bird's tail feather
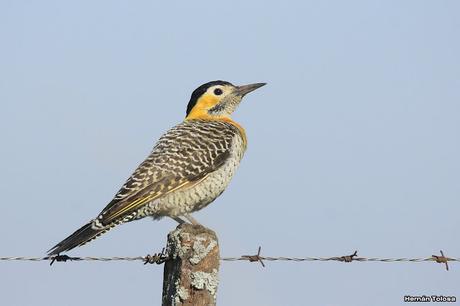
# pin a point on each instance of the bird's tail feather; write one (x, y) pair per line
(81, 236)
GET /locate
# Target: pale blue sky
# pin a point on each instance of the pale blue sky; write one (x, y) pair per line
(353, 144)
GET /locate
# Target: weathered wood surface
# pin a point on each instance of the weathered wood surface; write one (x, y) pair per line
(191, 274)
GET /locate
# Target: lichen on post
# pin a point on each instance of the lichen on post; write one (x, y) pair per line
(191, 272)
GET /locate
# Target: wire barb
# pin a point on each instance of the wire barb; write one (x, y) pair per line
(442, 259)
(348, 258)
(157, 258)
(253, 258)
(61, 258)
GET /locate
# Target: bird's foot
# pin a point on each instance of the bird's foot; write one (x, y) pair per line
(191, 219)
(188, 218)
(179, 220)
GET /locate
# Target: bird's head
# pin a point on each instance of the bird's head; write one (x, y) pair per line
(217, 99)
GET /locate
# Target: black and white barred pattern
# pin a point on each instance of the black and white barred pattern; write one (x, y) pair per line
(186, 153)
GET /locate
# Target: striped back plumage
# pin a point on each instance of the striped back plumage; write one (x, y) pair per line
(182, 156)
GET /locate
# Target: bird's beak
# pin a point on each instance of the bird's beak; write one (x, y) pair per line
(245, 89)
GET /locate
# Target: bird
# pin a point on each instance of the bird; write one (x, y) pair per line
(189, 167)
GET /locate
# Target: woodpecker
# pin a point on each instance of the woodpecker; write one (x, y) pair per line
(188, 168)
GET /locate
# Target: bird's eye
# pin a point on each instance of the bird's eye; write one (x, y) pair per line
(218, 91)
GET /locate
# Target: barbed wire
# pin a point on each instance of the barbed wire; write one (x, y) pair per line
(159, 258)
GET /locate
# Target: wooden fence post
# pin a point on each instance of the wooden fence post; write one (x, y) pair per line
(191, 273)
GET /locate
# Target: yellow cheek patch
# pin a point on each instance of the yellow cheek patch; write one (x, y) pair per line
(204, 103)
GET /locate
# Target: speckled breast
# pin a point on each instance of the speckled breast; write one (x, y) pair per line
(208, 188)
(204, 192)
